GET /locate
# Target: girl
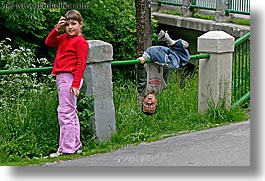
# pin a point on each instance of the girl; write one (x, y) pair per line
(69, 66)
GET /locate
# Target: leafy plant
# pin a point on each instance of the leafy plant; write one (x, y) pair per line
(85, 112)
(28, 103)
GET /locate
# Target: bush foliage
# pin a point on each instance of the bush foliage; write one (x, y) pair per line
(27, 24)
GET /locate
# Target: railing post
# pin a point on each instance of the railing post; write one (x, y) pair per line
(220, 14)
(155, 5)
(215, 73)
(185, 8)
(98, 78)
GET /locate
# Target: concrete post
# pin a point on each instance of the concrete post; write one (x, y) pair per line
(215, 74)
(221, 6)
(185, 8)
(154, 5)
(98, 78)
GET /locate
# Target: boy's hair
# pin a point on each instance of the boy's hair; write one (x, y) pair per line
(73, 15)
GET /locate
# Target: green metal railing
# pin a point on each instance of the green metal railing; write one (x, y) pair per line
(204, 4)
(113, 63)
(25, 70)
(170, 2)
(233, 6)
(238, 6)
(241, 70)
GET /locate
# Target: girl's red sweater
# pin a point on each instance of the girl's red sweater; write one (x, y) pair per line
(71, 54)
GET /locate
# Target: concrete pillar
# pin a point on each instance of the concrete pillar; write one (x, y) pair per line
(185, 8)
(154, 5)
(215, 73)
(98, 78)
(221, 6)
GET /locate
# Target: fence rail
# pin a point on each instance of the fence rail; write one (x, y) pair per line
(239, 6)
(233, 6)
(204, 4)
(171, 2)
(113, 63)
(241, 68)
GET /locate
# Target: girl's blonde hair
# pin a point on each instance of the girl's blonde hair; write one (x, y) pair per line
(73, 15)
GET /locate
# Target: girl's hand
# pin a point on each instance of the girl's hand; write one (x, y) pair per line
(141, 60)
(61, 23)
(75, 91)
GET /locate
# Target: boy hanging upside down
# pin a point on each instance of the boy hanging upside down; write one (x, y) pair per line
(152, 78)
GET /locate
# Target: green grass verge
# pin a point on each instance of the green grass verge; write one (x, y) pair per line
(171, 12)
(241, 21)
(29, 136)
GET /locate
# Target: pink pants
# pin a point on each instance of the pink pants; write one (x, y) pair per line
(69, 141)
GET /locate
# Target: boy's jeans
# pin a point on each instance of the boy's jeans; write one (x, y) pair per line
(174, 57)
(69, 141)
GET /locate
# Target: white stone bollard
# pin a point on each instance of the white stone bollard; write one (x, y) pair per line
(98, 78)
(215, 73)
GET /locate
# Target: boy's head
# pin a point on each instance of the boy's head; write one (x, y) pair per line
(149, 104)
(74, 23)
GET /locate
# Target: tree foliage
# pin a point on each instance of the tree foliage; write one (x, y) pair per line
(28, 22)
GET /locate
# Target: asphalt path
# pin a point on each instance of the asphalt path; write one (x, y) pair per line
(221, 146)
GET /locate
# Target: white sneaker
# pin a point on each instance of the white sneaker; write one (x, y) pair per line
(163, 36)
(79, 152)
(55, 155)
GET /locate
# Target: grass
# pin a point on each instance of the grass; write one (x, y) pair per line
(171, 12)
(241, 21)
(202, 16)
(30, 129)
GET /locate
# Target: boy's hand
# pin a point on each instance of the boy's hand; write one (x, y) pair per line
(61, 22)
(75, 91)
(141, 60)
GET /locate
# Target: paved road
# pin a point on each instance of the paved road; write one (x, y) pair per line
(222, 146)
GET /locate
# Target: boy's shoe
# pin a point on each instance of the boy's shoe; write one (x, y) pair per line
(185, 44)
(55, 155)
(163, 36)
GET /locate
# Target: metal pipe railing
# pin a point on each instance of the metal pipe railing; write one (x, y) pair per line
(233, 6)
(25, 70)
(242, 39)
(113, 63)
(241, 67)
(170, 2)
(242, 99)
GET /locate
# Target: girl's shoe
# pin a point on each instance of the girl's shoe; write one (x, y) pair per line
(55, 155)
(79, 152)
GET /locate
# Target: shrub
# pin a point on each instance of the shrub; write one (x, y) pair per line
(28, 104)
